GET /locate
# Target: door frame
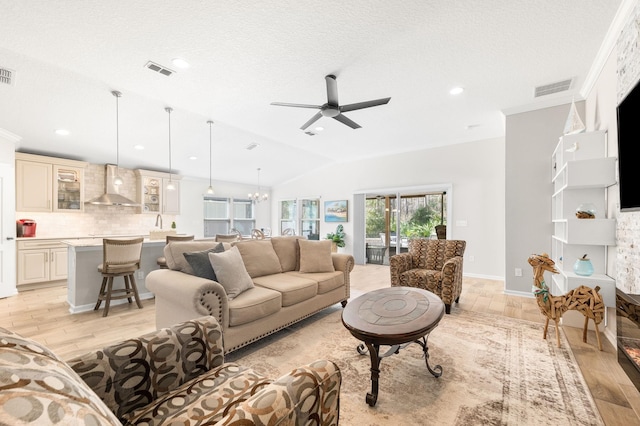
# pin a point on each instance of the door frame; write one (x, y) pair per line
(359, 234)
(8, 213)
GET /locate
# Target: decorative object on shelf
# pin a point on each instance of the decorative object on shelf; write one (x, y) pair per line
(586, 211)
(170, 185)
(210, 188)
(336, 211)
(583, 266)
(337, 238)
(173, 225)
(583, 299)
(117, 180)
(574, 123)
(256, 196)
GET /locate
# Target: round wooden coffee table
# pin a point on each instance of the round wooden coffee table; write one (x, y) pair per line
(395, 317)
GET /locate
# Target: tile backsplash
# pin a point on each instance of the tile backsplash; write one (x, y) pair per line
(98, 220)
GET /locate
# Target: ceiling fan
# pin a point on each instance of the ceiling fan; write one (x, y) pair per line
(332, 108)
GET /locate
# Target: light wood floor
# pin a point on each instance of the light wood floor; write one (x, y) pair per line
(43, 315)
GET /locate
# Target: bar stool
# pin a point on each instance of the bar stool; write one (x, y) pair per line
(162, 261)
(120, 258)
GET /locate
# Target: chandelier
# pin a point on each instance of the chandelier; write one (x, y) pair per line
(256, 196)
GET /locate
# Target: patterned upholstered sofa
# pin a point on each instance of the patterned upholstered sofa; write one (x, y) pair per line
(291, 278)
(434, 265)
(173, 376)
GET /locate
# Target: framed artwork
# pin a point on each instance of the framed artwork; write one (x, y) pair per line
(336, 211)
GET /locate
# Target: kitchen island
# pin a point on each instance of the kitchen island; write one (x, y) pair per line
(84, 279)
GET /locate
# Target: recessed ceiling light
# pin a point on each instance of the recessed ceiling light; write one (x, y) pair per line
(319, 128)
(252, 145)
(193, 157)
(180, 63)
(456, 90)
(139, 147)
(62, 132)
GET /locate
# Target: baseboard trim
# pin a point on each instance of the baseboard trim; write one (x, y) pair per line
(86, 308)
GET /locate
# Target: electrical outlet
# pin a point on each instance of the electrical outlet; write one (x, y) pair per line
(471, 258)
(518, 272)
(140, 274)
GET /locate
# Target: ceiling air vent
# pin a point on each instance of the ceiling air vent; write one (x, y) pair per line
(159, 68)
(548, 89)
(7, 76)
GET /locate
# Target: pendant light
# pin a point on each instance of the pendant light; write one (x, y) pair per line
(117, 180)
(170, 184)
(210, 188)
(257, 197)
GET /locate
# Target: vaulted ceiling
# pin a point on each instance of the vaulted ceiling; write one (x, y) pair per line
(67, 56)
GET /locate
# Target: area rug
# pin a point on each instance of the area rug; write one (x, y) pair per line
(496, 371)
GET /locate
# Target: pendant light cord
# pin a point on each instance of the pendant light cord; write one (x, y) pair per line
(168, 109)
(210, 152)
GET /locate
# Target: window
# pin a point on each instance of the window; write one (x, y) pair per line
(243, 219)
(310, 219)
(216, 216)
(223, 214)
(288, 216)
(304, 220)
(414, 215)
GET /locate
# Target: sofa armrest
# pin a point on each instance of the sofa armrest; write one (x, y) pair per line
(307, 395)
(399, 263)
(342, 262)
(133, 373)
(191, 293)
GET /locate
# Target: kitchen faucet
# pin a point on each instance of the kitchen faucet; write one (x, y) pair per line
(159, 218)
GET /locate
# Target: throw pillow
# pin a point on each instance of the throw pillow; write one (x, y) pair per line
(259, 257)
(230, 271)
(286, 247)
(199, 261)
(315, 256)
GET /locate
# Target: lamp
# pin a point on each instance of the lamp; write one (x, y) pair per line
(170, 185)
(210, 188)
(574, 123)
(117, 180)
(257, 197)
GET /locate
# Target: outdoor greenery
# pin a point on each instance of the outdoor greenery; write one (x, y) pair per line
(338, 236)
(418, 215)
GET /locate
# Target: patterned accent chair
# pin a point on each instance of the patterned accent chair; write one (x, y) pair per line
(434, 265)
(176, 375)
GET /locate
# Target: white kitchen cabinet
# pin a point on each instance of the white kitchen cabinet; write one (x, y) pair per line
(46, 184)
(153, 195)
(581, 173)
(40, 261)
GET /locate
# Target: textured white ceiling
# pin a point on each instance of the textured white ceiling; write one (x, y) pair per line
(69, 55)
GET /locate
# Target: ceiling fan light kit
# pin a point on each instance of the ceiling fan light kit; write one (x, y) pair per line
(333, 109)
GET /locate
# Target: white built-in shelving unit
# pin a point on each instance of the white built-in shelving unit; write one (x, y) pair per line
(581, 173)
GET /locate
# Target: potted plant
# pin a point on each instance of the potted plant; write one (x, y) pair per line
(337, 238)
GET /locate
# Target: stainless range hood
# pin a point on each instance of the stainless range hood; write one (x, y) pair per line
(111, 196)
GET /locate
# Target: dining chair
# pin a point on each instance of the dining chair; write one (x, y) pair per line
(162, 261)
(120, 258)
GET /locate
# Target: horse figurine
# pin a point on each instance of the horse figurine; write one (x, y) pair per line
(584, 299)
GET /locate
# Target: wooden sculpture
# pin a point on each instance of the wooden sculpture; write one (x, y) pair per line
(583, 299)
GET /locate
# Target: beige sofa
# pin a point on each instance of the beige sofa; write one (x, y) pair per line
(172, 376)
(292, 279)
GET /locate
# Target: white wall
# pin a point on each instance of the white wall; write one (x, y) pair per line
(475, 170)
(531, 138)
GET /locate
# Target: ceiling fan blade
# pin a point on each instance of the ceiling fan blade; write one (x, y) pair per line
(311, 121)
(296, 105)
(344, 120)
(332, 90)
(366, 104)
